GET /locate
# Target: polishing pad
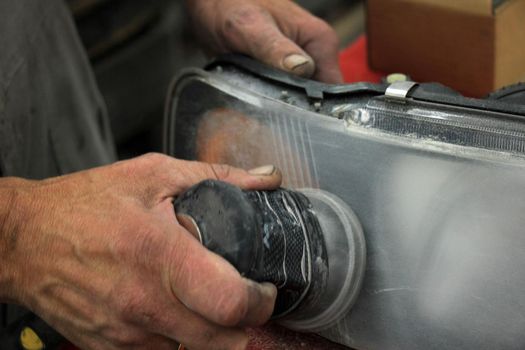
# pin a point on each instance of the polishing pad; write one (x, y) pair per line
(308, 243)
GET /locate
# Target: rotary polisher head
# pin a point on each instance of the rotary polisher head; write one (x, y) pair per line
(345, 251)
(308, 243)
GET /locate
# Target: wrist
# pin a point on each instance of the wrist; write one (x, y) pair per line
(11, 225)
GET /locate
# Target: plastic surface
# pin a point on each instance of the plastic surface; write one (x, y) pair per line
(442, 213)
(346, 256)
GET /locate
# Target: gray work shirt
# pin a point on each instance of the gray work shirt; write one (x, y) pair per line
(52, 117)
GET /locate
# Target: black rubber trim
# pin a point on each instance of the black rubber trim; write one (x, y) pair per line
(436, 93)
(510, 91)
(314, 89)
(428, 92)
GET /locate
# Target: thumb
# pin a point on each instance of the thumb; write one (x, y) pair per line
(210, 286)
(254, 32)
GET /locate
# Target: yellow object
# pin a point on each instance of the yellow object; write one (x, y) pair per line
(396, 77)
(30, 340)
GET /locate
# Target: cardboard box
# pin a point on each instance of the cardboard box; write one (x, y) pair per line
(473, 46)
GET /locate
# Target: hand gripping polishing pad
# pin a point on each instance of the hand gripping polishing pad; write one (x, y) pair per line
(308, 243)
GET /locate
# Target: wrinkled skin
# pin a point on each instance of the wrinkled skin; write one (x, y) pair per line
(101, 257)
(277, 32)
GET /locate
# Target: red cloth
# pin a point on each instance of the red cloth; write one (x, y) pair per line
(354, 63)
(272, 337)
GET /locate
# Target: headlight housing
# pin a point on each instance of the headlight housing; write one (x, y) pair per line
(437, 181)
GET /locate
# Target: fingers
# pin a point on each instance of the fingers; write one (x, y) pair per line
(201, 334)
(175, 176)
(154, 177)
(315, 36)
(207, 284)
(279, 33)
(265, 177)
(287, 37)
(251, 30)
(321, 41)
(195, 332)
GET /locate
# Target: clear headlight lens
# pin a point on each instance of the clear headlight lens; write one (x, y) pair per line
(439, 190)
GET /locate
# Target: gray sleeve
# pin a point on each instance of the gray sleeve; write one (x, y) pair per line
(52, 117)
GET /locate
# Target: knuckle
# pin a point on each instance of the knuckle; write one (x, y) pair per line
(233, 308)
(136, 308)
(323, 30)
(145, 165)
(220, 171)
(318, 24)
(154, 158)
(240, 17)
(139, 242)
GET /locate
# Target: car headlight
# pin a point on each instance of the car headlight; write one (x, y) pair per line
(437, 181)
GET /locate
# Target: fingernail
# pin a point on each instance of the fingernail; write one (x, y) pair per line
(190, 225)
(298, 64)
(265, 170)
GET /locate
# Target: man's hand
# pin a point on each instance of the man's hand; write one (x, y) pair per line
(101, 257)
(277, 32)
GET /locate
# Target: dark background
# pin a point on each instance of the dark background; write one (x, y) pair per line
(136, 48)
